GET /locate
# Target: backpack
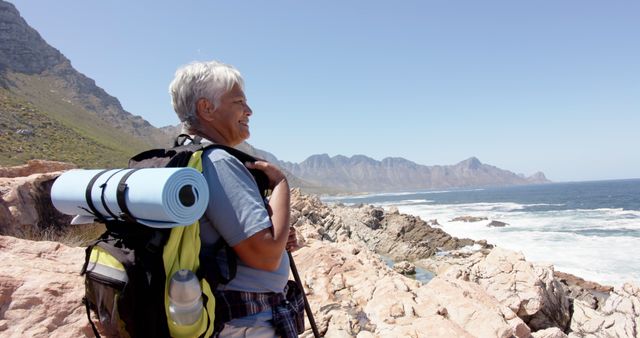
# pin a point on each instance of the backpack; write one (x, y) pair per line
(127, 269)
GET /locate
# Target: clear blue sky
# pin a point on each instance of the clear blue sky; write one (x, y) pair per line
(523, 85)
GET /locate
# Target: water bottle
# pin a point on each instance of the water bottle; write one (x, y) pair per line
(185, 297)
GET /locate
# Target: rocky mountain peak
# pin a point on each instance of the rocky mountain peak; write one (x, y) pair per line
(470, 163)
(361, 173)
(26, 56)
(318, 160)
(23, 49)
(362, 159)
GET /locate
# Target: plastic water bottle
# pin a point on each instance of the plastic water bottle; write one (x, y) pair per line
(185, 297)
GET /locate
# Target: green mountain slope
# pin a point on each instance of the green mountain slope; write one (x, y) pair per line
(26, 132)
(51, 111)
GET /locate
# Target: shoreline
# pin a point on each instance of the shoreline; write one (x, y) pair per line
(556, 303)
(579, 280)
(579, 235)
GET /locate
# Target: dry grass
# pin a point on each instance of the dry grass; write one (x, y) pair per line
(72, 235)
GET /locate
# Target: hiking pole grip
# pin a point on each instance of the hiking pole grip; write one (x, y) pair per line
(307, 308)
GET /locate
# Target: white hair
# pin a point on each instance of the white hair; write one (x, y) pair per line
(209, 80)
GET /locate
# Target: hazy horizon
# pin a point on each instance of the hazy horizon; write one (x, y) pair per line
(525, 86)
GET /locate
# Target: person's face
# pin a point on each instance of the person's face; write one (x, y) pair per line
(231, 118)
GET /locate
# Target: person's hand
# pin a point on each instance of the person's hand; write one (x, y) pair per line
(292, 241)
(274, 173)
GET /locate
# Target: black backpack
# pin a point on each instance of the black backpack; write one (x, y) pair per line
(126, 283)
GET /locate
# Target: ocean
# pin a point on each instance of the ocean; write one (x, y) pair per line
(589, 229)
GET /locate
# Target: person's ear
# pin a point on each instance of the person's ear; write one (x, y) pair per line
(204, 109)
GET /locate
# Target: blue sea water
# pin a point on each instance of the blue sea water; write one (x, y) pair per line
(590, 229)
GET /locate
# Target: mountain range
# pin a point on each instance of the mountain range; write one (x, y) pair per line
(49, 110)
(361, 173)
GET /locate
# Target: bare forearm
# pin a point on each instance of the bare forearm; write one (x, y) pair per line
(281, 208)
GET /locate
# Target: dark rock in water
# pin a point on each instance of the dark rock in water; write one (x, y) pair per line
(497, 224)
(469, 219)
(483, 243)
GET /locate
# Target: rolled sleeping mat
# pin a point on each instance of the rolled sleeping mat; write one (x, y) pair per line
(156, 197)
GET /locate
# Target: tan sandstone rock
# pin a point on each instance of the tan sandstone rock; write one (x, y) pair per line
(528, 289)
(25, 202)
(357, 295)
(41, 290)
(619, 317)
(552, 332)
(34, 167)
(468, 305)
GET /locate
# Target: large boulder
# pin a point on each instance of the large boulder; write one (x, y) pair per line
(41, 290)
(618, 317)
(468, 305)
(404, 268)
(398, 236)
(529, 290)
(354, 294)
(34, 167)
(25, 199)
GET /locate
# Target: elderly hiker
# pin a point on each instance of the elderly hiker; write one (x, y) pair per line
(209, 99)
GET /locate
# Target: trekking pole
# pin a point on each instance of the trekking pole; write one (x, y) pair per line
(307, 308)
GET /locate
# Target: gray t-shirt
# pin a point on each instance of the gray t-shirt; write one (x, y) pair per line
(236, 211)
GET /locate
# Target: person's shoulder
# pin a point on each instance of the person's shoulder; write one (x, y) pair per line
(220, 155)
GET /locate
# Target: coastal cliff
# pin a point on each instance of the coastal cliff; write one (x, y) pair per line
(478, 290)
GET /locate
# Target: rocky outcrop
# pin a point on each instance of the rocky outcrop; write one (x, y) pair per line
(479, 291)
(550, 306)
(34, 167)
(589, 293)
(399, 236)
(529, 290)
(619, 316)
(41, 290)
(23, 49)
(25, 199)
(349, 288)
(404, 268)
(547, 305)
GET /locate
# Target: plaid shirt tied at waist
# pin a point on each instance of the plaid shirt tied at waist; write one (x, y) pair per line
(287, 311)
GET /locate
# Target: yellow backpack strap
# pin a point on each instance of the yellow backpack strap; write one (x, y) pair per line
(182, 252)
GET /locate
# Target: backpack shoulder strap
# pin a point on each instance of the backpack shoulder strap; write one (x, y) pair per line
(261, 178)
(181, 139)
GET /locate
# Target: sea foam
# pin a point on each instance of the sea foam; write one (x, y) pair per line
(595, 244)
(590, 229)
